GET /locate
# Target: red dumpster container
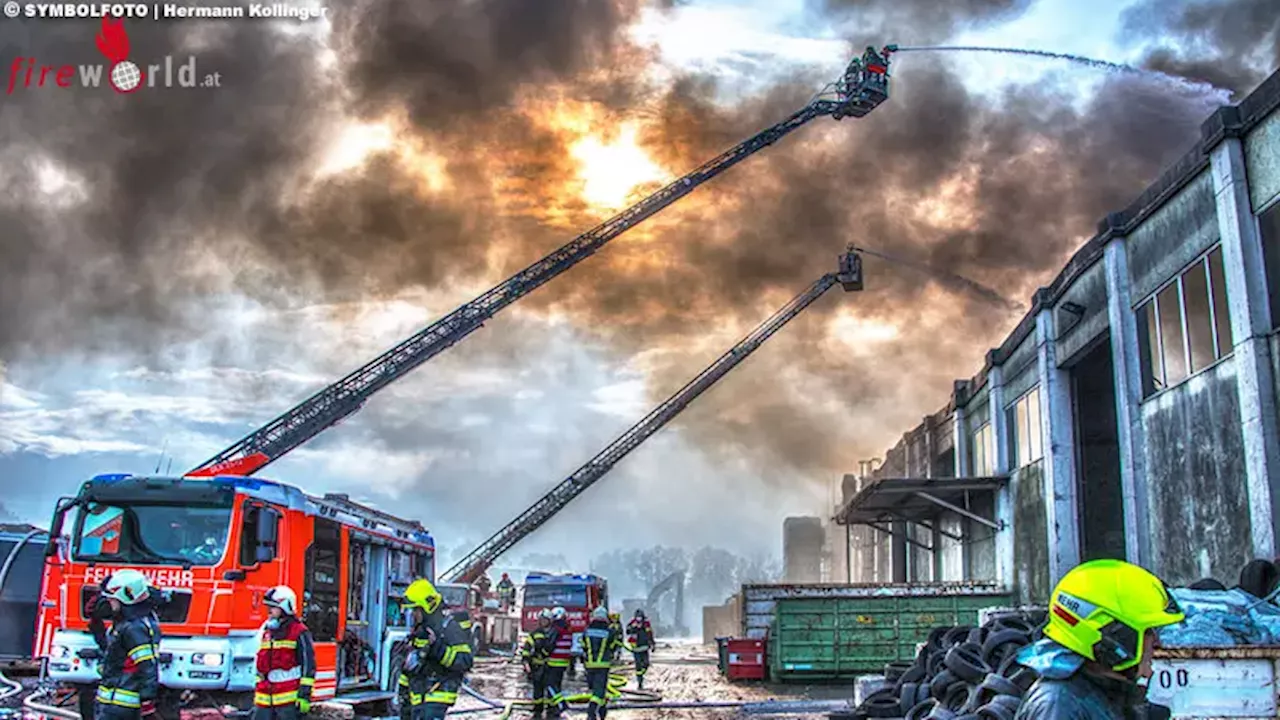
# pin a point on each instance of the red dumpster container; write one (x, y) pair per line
(746, 659)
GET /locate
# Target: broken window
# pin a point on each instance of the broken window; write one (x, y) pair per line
(1025, 438)
(1269, 223)
(983, 452)
(1184, 328)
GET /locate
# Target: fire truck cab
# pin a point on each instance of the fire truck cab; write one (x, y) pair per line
(215, 545)
(577, 594)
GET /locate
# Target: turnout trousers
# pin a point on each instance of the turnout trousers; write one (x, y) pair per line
(279, 712)
(555, 690)
(642, 666)
(538, 680)
(598, 685)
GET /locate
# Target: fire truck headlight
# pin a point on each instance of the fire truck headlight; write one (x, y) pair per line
(207, 659)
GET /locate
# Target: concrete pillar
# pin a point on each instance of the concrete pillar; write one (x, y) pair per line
(1004, 496)
(1250, 326)
(1057, 427)
(1126, 358)
(960, 433)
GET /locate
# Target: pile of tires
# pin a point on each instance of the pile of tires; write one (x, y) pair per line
(961, 673)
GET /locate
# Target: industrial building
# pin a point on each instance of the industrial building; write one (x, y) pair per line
(1132, 413)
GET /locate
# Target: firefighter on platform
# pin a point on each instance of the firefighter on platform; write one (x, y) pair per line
(130, 671)
(506, 592)
(534, 656)
(640, 638)
(484, 584)
(600, 646)
(438, 657)
(558, 649)
(286, 660)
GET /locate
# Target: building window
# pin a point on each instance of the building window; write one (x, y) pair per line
(1270, 225)
(1025, 438)
(983, 452)
(1185, 327)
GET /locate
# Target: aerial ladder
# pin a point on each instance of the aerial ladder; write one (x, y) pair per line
(471, 567)
(862, 88)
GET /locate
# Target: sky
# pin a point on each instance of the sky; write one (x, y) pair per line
(181, 265)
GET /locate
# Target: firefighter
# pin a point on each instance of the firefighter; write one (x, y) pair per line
(640, 638)
(599, 645)
(1098, 644)
(506, 592)
(615, 624)
(438, 657)
(484, 584)
(534, 656)
(130, 673)
(558, 648)
(286, 660)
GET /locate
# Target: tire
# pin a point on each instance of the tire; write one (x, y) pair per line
(907, 697)
(1258, 578)
(977, 636)
(940, 713)
(1206, 584)
(955, 636)
(922, 710)
(958, 695)
(1001, 637)
(1024, 678)
(1001, 686)
(880, 705)
(965, 662)
(992, 711)
(1013, 622)
(938, 686)
(935, 637)
(893, 671)
(913, 675)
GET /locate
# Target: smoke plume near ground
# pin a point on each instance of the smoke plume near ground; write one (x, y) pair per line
(124, 214)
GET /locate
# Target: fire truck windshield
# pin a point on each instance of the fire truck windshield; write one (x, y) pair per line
(152, 534)
(453, 595)
(553, 595)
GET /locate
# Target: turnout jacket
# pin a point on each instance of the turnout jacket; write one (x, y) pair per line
(1066, 690)
(600, 645)
(286, 664)
(130, 669)
(532, 651)
(640, 634)
(442, 646)
(557, 646)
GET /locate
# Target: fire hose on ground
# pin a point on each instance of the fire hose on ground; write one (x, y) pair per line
(31, 704)
(13, 688)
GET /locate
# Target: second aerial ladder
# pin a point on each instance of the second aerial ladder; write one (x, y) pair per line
(471, 567)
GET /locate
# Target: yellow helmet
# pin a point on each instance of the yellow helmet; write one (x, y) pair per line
(1103, 608)
(421, 593)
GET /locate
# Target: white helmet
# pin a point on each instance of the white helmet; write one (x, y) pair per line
(600, 613)
(544, 614)
(128, 586)
(283, 597)
(558, 613)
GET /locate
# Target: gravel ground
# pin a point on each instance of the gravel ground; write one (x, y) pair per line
(680, 672)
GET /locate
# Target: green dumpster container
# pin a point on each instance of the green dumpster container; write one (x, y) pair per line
(838, 638)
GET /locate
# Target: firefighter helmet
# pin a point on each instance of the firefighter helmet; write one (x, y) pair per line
(639, 614)
(558, 613)
(1103, 609)
(421, 593)
(544, 614)
(128, 586)
(283, 597)
(600, 613)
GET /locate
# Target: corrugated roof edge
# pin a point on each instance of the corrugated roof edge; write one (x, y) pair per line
(1226, 122)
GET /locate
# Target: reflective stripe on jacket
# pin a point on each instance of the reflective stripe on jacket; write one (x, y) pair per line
(286, 665)
(560, 641)
(130, 664)
(599, 645)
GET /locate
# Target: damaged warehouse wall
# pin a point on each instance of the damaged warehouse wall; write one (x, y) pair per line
(1133, 411)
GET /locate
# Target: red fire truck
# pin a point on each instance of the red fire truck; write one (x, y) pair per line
(216, 545)
(577, 594)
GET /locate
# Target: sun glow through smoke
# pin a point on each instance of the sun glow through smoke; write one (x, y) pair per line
(612, 170)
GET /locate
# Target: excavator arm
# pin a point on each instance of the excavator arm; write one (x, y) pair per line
(859, 91)
(478, 561)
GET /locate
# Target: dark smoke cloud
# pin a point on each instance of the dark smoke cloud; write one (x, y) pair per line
(194, 194)
(1233, 44)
